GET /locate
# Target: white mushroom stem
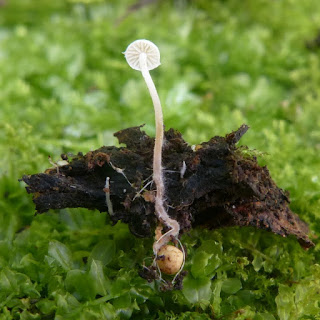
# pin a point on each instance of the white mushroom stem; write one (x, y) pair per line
(157, 159)
(144, 55)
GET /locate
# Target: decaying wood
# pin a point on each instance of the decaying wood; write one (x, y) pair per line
(221, 186)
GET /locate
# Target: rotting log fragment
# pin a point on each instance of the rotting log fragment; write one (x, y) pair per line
(220, 187)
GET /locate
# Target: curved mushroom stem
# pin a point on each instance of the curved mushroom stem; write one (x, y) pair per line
(157, 159)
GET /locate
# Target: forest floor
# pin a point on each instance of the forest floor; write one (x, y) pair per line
(66, 88)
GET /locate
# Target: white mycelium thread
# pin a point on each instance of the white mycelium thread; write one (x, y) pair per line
(144, 55)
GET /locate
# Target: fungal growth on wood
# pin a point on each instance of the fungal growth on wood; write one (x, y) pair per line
(143, 55)
(221, 187)
(214, 185)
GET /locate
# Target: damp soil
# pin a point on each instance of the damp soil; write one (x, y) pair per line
(221, 185)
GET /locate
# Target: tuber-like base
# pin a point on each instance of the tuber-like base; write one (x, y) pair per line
(169, 259)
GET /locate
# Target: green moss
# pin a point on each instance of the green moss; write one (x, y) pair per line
(65, 87)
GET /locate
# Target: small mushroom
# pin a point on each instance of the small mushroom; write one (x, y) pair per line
(143, 55)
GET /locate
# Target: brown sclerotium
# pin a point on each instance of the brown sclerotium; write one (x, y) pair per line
(169, 259)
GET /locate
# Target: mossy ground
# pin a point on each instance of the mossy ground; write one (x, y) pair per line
(65, 87)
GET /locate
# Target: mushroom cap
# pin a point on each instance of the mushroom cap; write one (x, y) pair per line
(134, 49)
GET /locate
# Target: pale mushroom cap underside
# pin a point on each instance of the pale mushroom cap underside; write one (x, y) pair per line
(132, 54)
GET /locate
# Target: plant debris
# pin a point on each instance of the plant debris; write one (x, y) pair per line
(220, 185)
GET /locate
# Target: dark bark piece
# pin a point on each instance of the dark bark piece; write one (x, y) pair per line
(220, 187)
